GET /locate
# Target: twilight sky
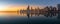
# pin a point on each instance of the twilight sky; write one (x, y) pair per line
(23, 3)
(30, 2)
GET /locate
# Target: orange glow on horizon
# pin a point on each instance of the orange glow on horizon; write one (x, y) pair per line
(17, 7)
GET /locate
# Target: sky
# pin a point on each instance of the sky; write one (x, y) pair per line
(12, 4)
(31, 2)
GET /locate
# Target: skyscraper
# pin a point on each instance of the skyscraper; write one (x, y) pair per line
(28, 11)
(58, 7)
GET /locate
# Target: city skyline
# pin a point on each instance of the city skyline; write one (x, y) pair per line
(14, 5)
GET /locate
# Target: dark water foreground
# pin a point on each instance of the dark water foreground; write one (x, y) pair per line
(48, 18)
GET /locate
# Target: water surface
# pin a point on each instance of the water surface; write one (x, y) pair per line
(24, 18)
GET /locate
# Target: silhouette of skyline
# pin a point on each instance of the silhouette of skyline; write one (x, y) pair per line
(30, 11)
(14, 5)
(48, 11)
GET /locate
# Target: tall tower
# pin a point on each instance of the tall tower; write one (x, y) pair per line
(28, 8)
(28, 11)
(58, 7)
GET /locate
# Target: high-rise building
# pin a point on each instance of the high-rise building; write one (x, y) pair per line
(47, 8)
(58, 7)
(28, 7)
(28, 11)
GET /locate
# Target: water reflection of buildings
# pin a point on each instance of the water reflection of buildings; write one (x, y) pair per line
(50, 14)
(47, 11)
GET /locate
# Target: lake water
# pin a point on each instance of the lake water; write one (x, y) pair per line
(20, 18)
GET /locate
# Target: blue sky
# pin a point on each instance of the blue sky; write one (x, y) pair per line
(31, 2)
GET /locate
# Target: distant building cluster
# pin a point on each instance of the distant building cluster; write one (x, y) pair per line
(38, 10)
